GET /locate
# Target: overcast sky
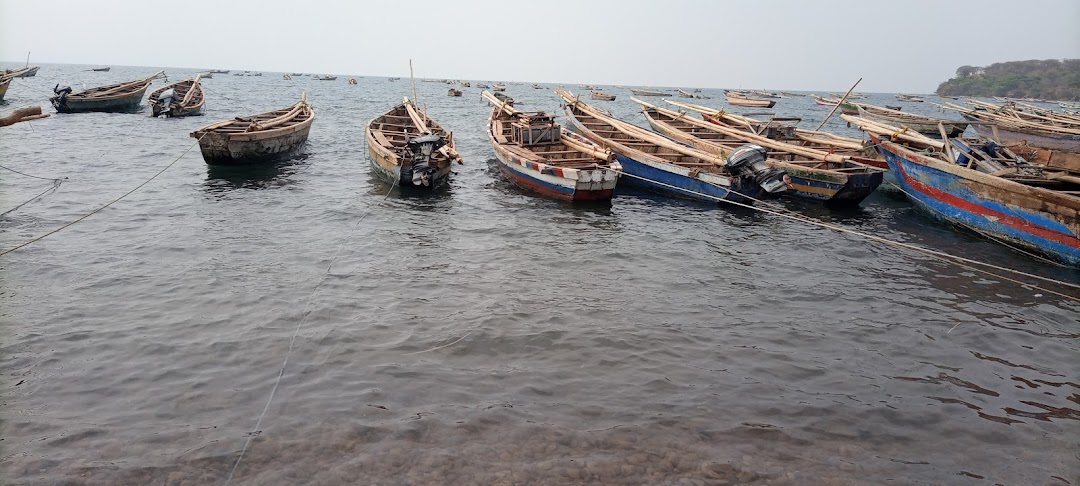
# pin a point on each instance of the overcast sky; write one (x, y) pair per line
(896, 46)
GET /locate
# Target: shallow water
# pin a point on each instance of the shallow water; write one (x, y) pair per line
(486, 336)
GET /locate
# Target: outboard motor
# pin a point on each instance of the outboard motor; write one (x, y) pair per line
(164, 102)
(749, 161)
(60, 100)
(421, 148)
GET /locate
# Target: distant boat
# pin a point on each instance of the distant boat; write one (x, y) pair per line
(1069, 106)
(765, 94)
(207, 75)
(661, 164)
(409, 149)
(686, 94)
(256, 138)
(219, 71)
(482, 86)
(466, 84)
(286, 77)
(352, 81)
(24, 72)
(326, 78)
(113, 97)
(393, 79)
(649, 92)
(182, 98)
(537, 154)
(600, 95)
(537, 86)
(101, 69)
(789, 93)
(498, 87)
(735, 98)
(926, 125)
(910, 98)
(846, 108)
(453, 92)
(503, 97)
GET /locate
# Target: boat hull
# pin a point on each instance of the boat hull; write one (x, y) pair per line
(1006, 136)
(123, 104)
(553, 182)
(1002, 209)
(223, 149)
(4, 87)
(29, 73)
(953, 130)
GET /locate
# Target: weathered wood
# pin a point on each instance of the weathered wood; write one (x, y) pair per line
(22, 114)
(842, 99)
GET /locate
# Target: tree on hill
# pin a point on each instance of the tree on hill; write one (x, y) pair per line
(1050, 79)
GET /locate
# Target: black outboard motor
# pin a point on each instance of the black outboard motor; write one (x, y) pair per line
(165, 101)
(749, 161)
(421, 148)
(60, 100)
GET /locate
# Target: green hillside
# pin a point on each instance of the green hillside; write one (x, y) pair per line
(1051, 79)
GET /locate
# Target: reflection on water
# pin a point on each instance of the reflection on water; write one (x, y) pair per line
(269, 175)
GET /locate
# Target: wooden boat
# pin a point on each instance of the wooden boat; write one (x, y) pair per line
(739, 99)
(498, 87)
(4, 83)
(834, 179)
(182, 98)
(113, 97)
(466, 84)
(850, 96)
(1069, 106)
(600, 95)
(352, 81)
(23, 72)
(537, 86)
(1022, 205)
(219, 71)
(660, 164)
(910, 98)
(207, 75)
(539, 155)
(925, 125)
(453, 92)
(409, 149)
(503, 97)
(649, 92)
(101, 69)
(482, 86)
(1009, 124)
(326, 78)
(393, 79)
(790, 93)
(257, 138)
(683, 94)
(765, 94)
(286, 77)
(847, 107)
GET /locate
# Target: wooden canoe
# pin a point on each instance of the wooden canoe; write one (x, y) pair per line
(186, 99)
(453, 92)
(123, 97)
(498, 87)
(257, 138)
(814, 174)
(396, 142)
(1038, 218)
(23, 72)
(539, 155)
(737, 99)
(925, 125)
(101, 69)
(4, 83)
(660, 164)
(600, 95)
(649, 92)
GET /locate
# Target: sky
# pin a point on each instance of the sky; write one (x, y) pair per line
(894, 46)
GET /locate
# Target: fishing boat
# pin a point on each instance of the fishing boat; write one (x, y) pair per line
(326, 78)
(352, 81)
(466, 84)
(410, 149)
(600, 95)
(847, 107)
(735, 98)
(537, 86)
(765, 94)
(113, 97)
(219, 71)
(791, 93)
(539, 155)
(1069, 106)
(683, 94)
(1011, 124)
(649, 92)
(663, 165)
(4, 83)
(101, 69)
(286, 77)
(257, 138)
(837, 180)
(393, 79)
(498, 87)
(503, 97)
(910, 98)
(926, 125)
(182, 98)
(23, 72)
(453, 92)
(207, 75)
(482, 86)
(1018, 203)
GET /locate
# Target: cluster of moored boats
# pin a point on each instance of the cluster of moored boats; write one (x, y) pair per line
(1019, 182)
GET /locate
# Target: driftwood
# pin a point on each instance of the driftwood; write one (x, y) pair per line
(21, 115)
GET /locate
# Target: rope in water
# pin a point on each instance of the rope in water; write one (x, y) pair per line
(296, 332)
(934, 253)
(110, 203)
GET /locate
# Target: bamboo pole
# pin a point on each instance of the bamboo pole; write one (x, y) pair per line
(838, 104)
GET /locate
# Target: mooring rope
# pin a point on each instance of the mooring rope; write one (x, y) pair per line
(292, 341)
(53, 179)
(110, 203)
(53, 187)
(934, 253)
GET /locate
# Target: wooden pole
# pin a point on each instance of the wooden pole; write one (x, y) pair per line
(948, 144)
(838, 104)
(413, 79)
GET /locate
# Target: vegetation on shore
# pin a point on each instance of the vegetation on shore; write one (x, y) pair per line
(1051, 79)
